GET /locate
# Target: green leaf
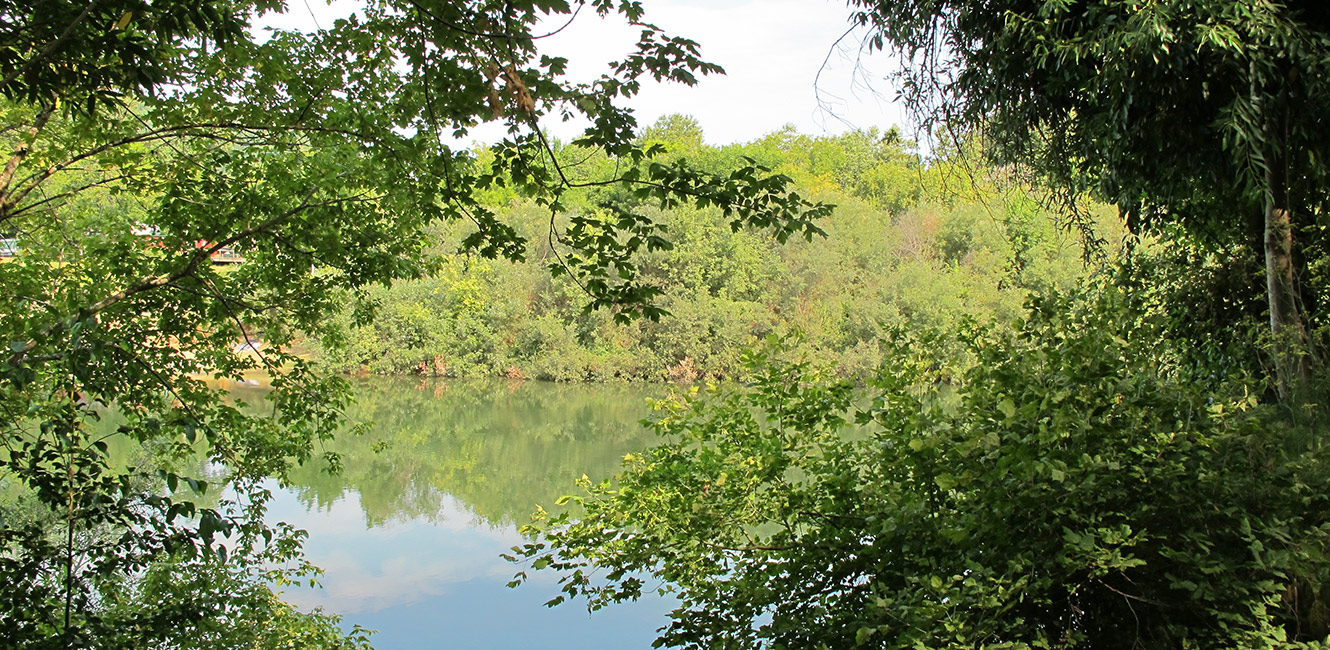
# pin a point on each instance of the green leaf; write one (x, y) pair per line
(945, 481)
(863, 634)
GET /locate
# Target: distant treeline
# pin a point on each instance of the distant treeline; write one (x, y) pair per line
(913, 242)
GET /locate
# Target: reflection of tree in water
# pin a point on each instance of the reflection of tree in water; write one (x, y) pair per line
(500, 448)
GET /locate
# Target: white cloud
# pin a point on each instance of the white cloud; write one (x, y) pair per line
(402, 563)
(772, 51)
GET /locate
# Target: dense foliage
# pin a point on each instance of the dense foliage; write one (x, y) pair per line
(145, 143)
(1086, 484)
(1203, 116)
(1108, 466)
(1138, 462)
(912, 243)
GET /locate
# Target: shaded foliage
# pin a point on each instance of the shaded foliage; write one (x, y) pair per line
(144, 141)
(1086, 484)
(1195, 117)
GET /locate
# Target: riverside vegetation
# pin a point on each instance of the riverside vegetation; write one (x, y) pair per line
(912, 243)
(1136, 462)
(141, 140)
(1049, 454)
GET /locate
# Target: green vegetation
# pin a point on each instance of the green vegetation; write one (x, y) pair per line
(1201, 118)
(1089, 483)
(911, 244)
(1124, 454)
(140, 139)
(1136, 462)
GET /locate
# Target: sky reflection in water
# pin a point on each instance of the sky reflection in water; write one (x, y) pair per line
(409, 537)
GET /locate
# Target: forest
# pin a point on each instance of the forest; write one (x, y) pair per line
(911, 244)
(1054, 377)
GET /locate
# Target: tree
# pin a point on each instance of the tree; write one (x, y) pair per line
(146, 139)
(1105, 474)
(680, 133)
(94, 53)
(1083, 486)
(1203, 115)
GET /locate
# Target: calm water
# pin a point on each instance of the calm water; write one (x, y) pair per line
(409, 534)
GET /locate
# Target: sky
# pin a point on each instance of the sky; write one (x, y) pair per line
(772, 50)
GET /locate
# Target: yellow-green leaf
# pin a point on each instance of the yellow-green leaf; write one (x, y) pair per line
(945, 481)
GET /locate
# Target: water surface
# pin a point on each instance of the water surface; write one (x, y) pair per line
(409, 533)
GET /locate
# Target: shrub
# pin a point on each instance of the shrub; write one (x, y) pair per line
(1082, 484)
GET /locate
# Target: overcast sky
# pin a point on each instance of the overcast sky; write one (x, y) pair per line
(772, 52)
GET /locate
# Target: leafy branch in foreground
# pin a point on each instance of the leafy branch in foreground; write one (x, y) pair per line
(1082, 484)
(142, 142)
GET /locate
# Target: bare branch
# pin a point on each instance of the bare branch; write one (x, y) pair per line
(21, 152)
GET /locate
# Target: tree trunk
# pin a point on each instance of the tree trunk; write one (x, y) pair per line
(1289, 335)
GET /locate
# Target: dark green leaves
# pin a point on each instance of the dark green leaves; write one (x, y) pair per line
(1074, 474)
(88, 56)
(146, 141)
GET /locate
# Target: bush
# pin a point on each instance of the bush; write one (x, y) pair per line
(1082, 484)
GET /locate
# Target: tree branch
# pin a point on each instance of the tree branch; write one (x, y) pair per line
(148, 284)
(21, 152)
(50, 47)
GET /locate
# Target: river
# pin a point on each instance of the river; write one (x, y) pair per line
(409, 533)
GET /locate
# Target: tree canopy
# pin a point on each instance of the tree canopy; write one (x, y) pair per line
(1128, 464)
(95, 53)
(906, 246)
(146, 141)
(1029, 485)
(1199, 115)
